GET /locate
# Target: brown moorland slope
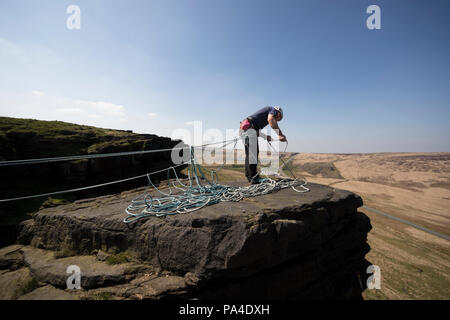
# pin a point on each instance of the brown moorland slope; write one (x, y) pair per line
(412, 186)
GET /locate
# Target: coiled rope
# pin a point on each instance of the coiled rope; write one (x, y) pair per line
(193, 195)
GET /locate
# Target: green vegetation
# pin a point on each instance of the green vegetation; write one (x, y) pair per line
(39, 127)
(71, 139)
(101, 296)
(53, 202)
(119, 258)
(123, 144)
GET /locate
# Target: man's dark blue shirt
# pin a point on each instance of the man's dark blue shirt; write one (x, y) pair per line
(259, 118)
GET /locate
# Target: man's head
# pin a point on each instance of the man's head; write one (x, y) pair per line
(279, 116)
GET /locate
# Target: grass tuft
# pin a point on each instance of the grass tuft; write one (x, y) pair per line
(119, 258)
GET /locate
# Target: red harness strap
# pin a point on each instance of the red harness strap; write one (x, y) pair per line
(245, 125)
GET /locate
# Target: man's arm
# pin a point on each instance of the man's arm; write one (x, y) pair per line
(262, 135)
(274, 125)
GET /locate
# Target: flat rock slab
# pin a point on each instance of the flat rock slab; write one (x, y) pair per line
(109, 211)
(49, 292)
(148, 286)
(46, 268)
(228, 239)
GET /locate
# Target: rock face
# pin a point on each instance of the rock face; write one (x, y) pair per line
(31, 139)
(283, 245)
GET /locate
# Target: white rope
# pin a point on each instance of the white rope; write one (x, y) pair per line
(196, 196)
(86, 188)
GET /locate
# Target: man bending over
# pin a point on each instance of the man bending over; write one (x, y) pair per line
(250, 131)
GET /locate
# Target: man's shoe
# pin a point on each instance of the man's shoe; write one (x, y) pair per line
(259, 180)
(255, 178)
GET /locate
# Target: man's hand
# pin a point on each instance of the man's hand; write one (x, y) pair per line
(282, 137)
(274, 124)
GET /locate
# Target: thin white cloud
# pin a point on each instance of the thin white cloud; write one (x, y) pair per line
(70, 110)
(44, 106)
(104, 108)
(151, 114)
(38, 93)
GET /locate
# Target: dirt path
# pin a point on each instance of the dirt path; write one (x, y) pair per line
(437, 234)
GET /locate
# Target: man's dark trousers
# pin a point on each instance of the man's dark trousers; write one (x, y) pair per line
(251, 166)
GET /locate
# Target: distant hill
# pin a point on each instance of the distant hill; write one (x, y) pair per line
(18, 138)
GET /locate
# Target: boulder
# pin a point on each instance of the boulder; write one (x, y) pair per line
(11, 257)
(15, 283)
(277, 246)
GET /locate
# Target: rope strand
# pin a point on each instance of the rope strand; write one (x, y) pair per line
(196, 196)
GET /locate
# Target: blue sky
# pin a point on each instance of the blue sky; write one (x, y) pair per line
(156, 66)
